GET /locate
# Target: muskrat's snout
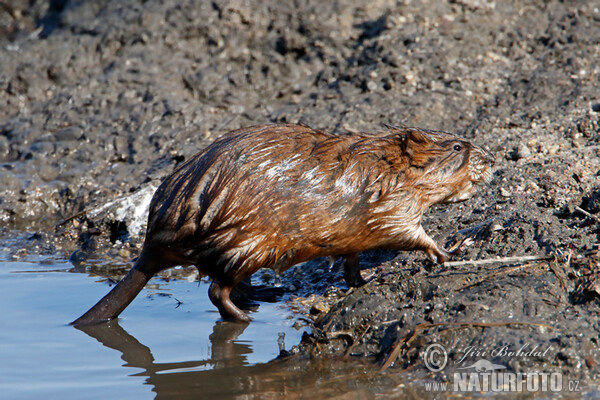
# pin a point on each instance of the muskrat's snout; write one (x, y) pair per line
(480, 165)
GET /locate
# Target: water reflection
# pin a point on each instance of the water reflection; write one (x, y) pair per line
(227, 356)
(226, 352)
(226, 374)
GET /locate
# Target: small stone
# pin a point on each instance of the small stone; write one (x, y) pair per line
(523, 151)
(298, 325)
(593, 204)
(520, 151)
(371, 86)
(410, 78)
(124, 253)
(319, 308)
(552, 148)
(533, 186)
(496, 226)
(504, 192)
(70, 133)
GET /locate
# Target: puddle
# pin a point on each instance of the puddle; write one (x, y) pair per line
(169, 341)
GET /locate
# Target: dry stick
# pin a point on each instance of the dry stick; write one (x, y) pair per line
(509, 260)
(460, 325)
(505, 271)
(587, 214)
(498, 260)
(356, 342)
(552, 267)
(76, 215)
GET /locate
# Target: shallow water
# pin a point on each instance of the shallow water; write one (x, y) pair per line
(169, 341)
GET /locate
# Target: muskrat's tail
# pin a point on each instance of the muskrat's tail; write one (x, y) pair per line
(111, 305)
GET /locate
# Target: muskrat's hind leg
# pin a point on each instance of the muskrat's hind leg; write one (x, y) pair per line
(352, 270)
(219, 295)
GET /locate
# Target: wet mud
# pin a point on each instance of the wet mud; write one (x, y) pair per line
(100, 101)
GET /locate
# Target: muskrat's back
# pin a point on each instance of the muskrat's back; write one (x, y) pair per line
(276, 195)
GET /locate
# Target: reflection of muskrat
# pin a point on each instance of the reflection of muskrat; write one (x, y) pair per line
(277, 195)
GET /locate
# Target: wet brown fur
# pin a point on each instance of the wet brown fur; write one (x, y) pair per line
(272, 196)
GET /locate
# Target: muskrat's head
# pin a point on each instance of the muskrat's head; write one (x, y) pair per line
(444, 167)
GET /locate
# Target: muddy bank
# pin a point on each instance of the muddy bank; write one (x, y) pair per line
(99, 101)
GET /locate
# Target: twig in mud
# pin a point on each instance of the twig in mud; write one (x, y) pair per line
(559, 273)
(504, 271)
(587, 214)
(356, 342)
(451, 326)
(72, 217)
(516, 259)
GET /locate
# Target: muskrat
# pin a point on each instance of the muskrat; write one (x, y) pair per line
(272, 196)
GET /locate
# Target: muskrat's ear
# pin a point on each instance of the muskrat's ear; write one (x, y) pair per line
(419, 136)
(407, 144)
(414, 136)
(403, 142)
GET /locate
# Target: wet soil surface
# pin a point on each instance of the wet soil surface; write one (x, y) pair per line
(99, 101)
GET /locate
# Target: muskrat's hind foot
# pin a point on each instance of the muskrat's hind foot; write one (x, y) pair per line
(219, 295)
(352, 271)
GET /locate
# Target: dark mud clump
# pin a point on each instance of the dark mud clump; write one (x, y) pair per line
(99, 101)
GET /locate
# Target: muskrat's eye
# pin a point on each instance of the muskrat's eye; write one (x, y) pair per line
(457, 147)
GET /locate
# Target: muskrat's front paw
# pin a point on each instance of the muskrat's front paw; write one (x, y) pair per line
(440, 255)
(463, 245)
